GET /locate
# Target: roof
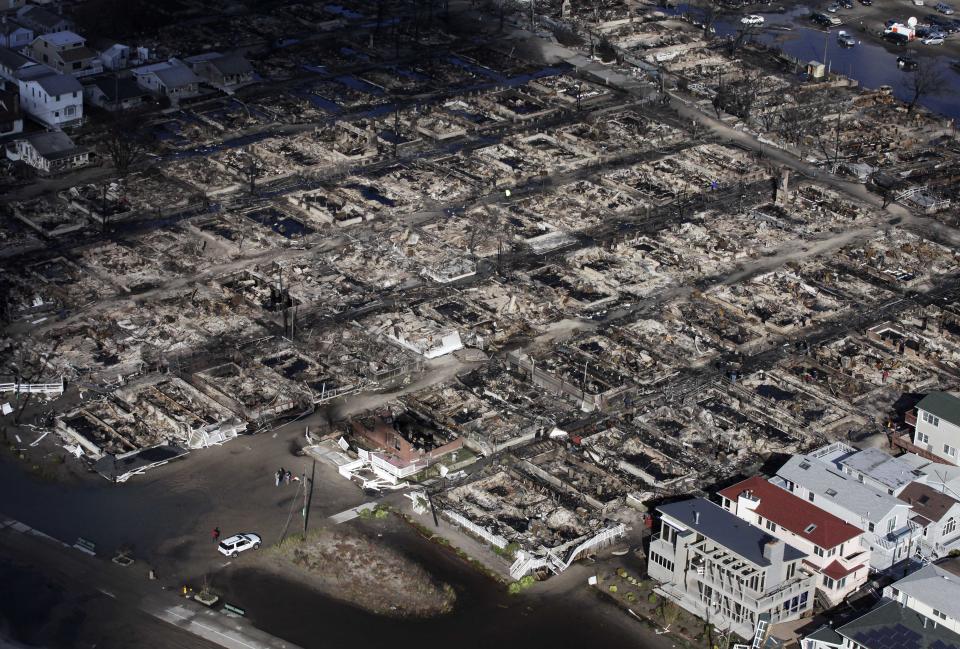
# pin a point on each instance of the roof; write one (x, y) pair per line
(942, 404)
(8, 26)
(935, 587)
(725, 529)
(77, 54)
(927, 501)
(891, 626)
(58, 84)
(794, 514)
(176, 75)
(830, 484)
(126, 87)
(835, 570)
(232, 64)
(892, 472)
(12, 60)
(62, 38)
(52, 144)
(826, 634)
(40, 16)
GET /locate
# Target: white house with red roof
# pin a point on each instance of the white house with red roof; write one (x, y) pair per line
(836, 551)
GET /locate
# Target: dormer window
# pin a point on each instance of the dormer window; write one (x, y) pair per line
(809, 528)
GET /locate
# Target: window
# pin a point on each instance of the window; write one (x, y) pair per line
(950, 526)
(828, 582)
(930, 419)
(923, 438)
(832, 492)
(809, 528)
(950, 450)
(791, 570)
(891, 524)
(771, 526)
(939, 614)
(810, 496)
(842, 582)
(663, 562)
(871, 527)
(831, 552)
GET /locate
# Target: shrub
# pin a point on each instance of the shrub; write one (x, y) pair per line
(613, 588)
(653, 599)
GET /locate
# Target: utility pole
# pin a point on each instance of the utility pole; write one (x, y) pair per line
(308, 496)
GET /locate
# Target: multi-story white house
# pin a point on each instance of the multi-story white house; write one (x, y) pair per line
(836, 551)
(937, 430)
(726, 570)
(921, 611)
(53, 99)
(818, 478)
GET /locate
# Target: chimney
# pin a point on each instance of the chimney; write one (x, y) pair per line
(696, 517)
(773, 550)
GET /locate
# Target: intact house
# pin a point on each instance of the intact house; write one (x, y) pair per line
(937, 428)
(921, 611)
(50, 152)
(42, 21)
(117, 56)
(11, 118)
(171, 79)
(938, 515)
(51, 98)
(114, 94)
(66, 52)
(224, 71)
(836, 551)
(885, 519)
(14, 35)
(723, 569)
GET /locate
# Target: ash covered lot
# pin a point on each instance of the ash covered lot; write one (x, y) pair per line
(534, 282)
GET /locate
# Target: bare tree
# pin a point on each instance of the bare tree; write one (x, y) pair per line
(124, 142)
(923, 81)
(707, 11)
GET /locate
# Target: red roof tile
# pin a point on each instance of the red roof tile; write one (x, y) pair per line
(794, 513)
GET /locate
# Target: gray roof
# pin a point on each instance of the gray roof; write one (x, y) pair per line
(846, 491)
(52, 144)
(126, 87)
(726, 529)
(59, 84)
(892, 626)
(39, 16)
(13, 60)
(935, 587)
(232, 64)
(176, 75)
(826, 634)
(943, 405)
(62, 38)
(892, 472)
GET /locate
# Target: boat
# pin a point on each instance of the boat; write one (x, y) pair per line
(846, 39)
(752, 19)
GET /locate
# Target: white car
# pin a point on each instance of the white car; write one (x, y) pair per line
(933, 40)
(752, 19)
(234, 545)
(918, 3)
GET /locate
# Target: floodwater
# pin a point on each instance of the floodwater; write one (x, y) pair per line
(484, 616)
(869, 62)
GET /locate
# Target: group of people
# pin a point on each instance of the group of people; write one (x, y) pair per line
(284, 476)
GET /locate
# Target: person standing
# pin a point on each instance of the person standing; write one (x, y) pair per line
(215, 534)
(277, 476)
